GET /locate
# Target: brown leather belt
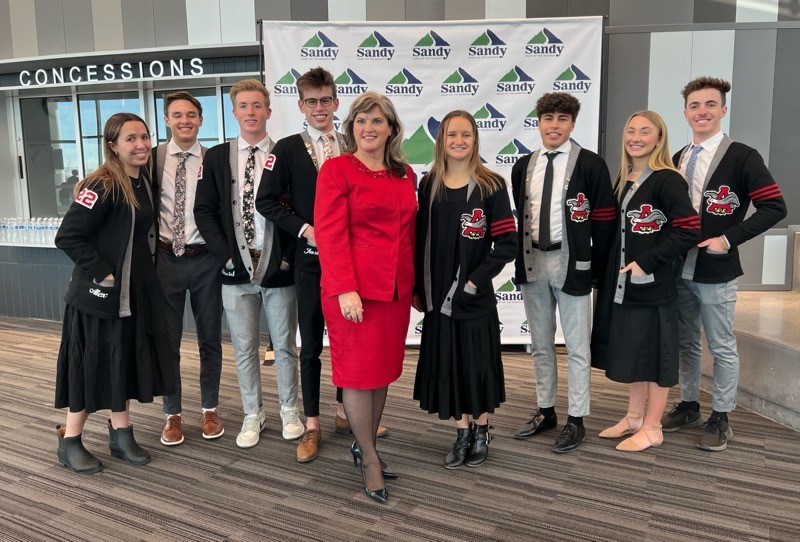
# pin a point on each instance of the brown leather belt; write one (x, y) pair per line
(189, 250)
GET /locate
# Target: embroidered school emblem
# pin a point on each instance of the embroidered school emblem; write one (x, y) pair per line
(646, 220)
(722, 202)
(86, 197)
(579, 208)
(473, 226)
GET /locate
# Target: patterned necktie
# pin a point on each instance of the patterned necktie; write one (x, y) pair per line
(248, 201)
(690, 168)
(327, 147)
(179, 213)
(547, 195)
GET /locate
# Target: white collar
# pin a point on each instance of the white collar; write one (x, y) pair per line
(173, 148)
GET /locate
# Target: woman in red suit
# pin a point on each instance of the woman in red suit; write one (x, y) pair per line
(364, 220)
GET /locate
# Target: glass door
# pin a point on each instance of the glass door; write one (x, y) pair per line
(93, 111)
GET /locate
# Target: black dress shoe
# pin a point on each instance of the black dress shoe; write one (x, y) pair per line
(536, 425)
(570, 438)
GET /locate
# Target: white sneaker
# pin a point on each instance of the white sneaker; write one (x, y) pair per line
(293, 428)
(251, 430)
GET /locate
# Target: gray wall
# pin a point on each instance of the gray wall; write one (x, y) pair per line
(653, 48)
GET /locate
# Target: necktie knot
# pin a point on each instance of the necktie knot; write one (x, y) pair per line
(696, 150)
(551, 155)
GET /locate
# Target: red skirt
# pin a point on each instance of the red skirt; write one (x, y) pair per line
(367, 355)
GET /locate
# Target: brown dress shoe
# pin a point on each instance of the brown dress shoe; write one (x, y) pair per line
(212, 425)
(343, 427)
(172, 434)
(308, 450)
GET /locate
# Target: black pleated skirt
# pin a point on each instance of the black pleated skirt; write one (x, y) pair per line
(637, 344)
(460, 369)
(103, 363)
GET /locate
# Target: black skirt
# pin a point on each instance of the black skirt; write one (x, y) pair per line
(637, 344)
(460, 369)
(103, 363)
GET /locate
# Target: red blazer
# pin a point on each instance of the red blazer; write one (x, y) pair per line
(364, 227)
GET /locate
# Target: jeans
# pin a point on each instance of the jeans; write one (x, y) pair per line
(243, 303)
(710, 306)
(540, 298)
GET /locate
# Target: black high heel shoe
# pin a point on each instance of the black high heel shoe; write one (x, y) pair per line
(387, 472)
(380, 495)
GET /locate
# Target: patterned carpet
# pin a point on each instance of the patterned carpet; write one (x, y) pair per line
(214, 491)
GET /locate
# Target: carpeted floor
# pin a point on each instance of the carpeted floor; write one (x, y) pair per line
(215, 491)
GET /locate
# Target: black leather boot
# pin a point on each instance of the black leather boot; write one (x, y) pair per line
(479, 447)
(74, 456)
(460, 452)
(123, 445)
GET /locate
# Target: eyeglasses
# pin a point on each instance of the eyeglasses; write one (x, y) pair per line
(325, 101)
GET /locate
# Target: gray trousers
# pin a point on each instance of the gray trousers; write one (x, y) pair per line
(541, 298)
(243, 304)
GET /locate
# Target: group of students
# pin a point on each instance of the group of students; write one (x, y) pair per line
(322, 228)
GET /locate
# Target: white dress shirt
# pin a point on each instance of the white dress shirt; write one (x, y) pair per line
(557, 197)
(704, 158)
(261, 156)
(166, 215)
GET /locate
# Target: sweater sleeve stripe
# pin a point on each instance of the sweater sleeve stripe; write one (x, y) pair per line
(687, 223)
(604, 213)
(766, 192)
(503, 229)
(500, 223)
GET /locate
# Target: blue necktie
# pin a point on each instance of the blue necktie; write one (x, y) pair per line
(690, 167)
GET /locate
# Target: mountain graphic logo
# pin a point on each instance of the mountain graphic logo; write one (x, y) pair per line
(375, 46)
(350, 84)
(508, 291)
(286, 85)
(460, 83)
(319, 46)
(418, 327)
(508, 155)
(545, 43)
(572, 74)
(404, 77)
(488, 38)
(319, 40)
(524, 328)
(488, 118)
(419, 147)
(515, 81)
(431, 46)
(431, 39)
(531, 122)
(573, 79)
(349, 77)
(404, 83)
(375, 40)
(460, 76)
(487, 45)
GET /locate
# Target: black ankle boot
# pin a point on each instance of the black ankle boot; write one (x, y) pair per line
(123, 445)
(479, 447)
(74, 456)
(460, 452)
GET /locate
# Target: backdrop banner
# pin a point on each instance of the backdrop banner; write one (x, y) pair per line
(495, 69)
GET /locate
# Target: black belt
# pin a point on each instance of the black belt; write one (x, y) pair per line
(554, 246)
(188, 250)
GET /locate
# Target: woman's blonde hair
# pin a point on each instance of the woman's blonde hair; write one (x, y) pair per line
(659, 158)
(488, 181)
(393, 154)
(111, 174)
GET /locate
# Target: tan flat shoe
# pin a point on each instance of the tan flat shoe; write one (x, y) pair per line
(628, 425)
(648, 436)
